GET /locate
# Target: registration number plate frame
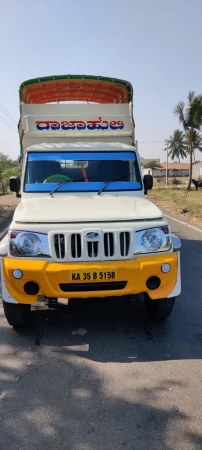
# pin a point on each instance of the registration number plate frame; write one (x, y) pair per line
(92, 275)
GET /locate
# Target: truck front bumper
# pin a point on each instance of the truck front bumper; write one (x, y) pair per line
(54, 281)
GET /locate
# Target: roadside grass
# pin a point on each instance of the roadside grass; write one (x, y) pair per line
(179, 201)
(172, 181)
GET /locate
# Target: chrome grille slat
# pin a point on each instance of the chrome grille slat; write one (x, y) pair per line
(124, 243)
(59, 247)
(75, 245)
(92, 249)
(59, 244)
(109, 244)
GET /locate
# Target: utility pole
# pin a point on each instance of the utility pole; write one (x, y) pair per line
(166, 165)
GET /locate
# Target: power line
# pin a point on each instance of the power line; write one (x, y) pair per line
(7, 116)
(150, 142)
(11, 125)
(7, 124)
(7, 113)
(4, 121)
(7, 142)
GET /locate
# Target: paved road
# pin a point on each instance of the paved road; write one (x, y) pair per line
(127, 384)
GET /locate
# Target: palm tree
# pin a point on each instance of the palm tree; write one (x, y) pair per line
(176, 145)
(197, 144)
(191, 119)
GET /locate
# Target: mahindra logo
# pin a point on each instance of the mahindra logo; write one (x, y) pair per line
(92, 235)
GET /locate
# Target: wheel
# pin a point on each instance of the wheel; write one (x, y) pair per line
(17, 315)
(159, 309)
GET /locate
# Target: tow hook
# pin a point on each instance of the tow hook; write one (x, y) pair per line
(52, 302)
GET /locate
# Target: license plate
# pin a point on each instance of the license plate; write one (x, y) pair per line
(93, 275)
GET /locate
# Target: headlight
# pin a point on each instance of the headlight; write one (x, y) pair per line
(153, 240)
(25, 243)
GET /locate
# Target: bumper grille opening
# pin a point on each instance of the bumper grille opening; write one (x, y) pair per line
(89, 287)
(92, 249)
(108, 244)
(76, 245)
(124, 243)
(59, 243)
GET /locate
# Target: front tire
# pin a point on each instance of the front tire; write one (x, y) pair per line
(17, 315)
(159, 309)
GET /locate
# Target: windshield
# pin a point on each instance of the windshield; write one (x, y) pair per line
(81, 171)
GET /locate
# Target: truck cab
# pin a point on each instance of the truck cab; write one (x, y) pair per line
(83, 227)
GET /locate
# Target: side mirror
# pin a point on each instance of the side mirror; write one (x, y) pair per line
(15, 185)
(148, 183)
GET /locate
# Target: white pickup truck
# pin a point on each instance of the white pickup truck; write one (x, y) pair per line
(83, 227)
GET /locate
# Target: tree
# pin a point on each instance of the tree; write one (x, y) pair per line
(197, 144)
(191, 119)
(8, 167)
(9, 172)
(151, 165)
(176, 145)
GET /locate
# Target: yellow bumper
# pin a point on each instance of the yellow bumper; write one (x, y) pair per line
(50, 276)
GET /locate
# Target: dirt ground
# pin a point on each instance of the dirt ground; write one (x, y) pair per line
(8, 204)
(188, 205)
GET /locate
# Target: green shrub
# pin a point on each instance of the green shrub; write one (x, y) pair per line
(5, 177)
(176, 182)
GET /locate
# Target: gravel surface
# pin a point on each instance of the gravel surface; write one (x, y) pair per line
(8, 204)
(190, 210)
(8, 201)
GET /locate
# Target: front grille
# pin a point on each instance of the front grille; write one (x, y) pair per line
(108, 244)
(59, 243)
(76, 245)
(91, 245)
(89, 287)
(124, 243)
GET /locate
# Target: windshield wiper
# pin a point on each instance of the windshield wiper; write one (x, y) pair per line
(82, 179)
(111, 181)
(63, 182)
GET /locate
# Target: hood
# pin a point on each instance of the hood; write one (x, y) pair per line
(60, 209)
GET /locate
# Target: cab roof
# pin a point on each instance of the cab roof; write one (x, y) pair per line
(89, 88)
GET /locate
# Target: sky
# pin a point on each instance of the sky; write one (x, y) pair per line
(154, 44)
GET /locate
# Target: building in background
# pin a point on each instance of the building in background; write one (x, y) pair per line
(175, 170)
(197, 171)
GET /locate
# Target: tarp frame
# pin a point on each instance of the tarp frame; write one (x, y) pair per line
(89, 88)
